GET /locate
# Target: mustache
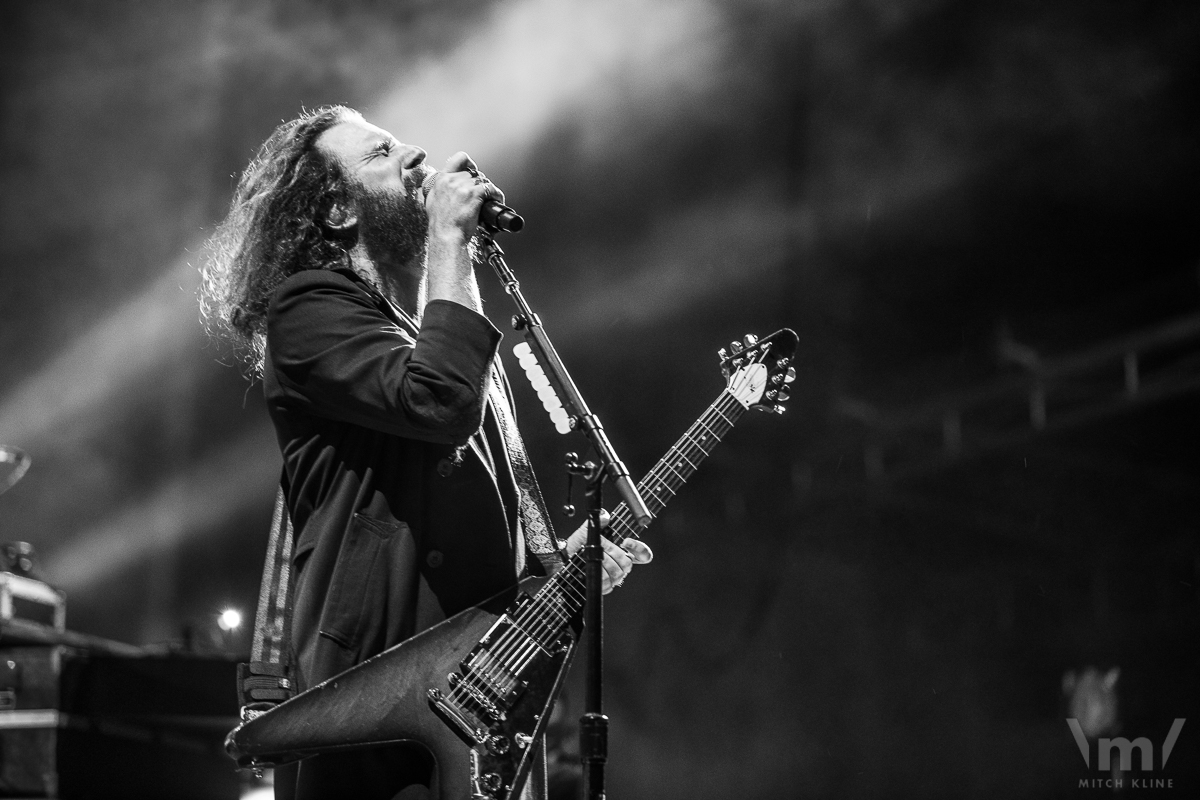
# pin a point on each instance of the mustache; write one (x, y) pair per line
(414, 180)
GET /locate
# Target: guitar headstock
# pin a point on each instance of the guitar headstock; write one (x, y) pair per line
(758, 371)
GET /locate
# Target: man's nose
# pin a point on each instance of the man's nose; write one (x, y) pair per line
(411, 156)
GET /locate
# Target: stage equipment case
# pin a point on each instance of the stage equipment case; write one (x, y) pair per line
(82, 717)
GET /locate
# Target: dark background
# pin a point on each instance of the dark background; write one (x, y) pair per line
(950, 202)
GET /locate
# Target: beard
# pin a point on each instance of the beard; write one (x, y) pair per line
(394, 227)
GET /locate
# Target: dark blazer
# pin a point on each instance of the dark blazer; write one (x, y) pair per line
(392, 536)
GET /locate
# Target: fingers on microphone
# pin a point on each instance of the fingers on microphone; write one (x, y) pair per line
(493, 191)
(460, 162)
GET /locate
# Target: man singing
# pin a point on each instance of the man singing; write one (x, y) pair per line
(350, 288)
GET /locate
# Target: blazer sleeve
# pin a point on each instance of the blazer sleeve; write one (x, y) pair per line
(336, 354)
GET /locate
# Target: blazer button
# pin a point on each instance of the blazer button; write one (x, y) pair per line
(434, 558)
(445, 467)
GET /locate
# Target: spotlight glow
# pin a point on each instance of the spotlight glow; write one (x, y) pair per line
(230, 620)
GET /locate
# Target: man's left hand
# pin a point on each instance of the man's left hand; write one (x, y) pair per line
(618, 559)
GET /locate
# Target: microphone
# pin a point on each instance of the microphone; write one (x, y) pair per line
(493, 216)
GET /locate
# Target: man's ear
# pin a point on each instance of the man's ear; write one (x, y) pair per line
(341, 222)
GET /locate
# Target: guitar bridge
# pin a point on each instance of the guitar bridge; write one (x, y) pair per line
(471, 727)
(476, 694)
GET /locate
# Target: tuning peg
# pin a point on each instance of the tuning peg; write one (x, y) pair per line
(776, 379)
(783, 362)
(723, 354)
(783, 395)
(791, 375)
(779, 409)
(736, 346)
(750, 339)
(771, 394)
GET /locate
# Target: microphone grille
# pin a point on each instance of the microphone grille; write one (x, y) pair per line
(427, 184)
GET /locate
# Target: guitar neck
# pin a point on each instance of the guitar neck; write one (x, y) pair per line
(681, 461)
(564, 594)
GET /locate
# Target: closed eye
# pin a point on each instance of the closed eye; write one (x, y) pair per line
(384, 148)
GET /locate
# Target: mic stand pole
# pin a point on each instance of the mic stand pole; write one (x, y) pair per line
(593, 726)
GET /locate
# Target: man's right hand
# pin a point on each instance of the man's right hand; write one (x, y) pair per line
(457, 195)
(453, 204)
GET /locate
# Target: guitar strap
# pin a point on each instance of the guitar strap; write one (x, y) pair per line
(535, 520)
(267, 681)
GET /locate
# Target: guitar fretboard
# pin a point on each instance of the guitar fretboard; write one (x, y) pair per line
(544, 619)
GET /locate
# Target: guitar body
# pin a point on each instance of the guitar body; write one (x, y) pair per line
(387, 699)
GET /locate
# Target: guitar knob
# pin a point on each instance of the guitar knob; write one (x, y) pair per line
(791, 375)
(723, 354)
(750, 339)
(491, 782)
(783, 395)
(778, 409)
(497, 745)
(736, 346)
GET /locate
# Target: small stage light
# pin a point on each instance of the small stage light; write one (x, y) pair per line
(230, 619)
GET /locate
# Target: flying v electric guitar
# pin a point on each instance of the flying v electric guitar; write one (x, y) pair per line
(476, 690)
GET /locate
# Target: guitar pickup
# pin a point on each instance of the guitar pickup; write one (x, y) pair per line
(481, 668)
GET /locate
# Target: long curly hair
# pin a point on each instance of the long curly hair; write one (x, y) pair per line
(274, 229)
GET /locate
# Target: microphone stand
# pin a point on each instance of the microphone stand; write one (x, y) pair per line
(593, 733)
